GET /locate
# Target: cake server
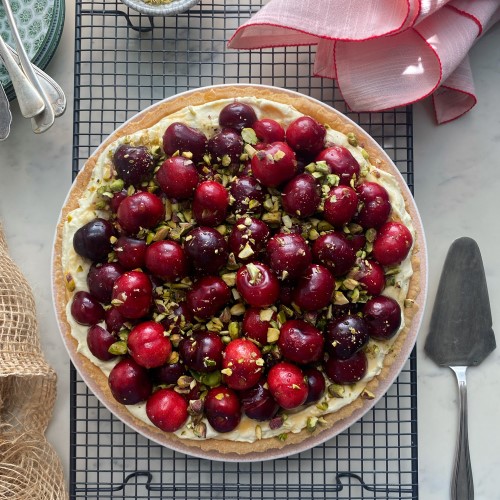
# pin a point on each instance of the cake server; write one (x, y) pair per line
(460, 336)
(5, 115)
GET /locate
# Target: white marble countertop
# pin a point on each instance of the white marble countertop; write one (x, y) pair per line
(456, 189)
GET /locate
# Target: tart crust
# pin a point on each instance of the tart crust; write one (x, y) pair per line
(393, 361)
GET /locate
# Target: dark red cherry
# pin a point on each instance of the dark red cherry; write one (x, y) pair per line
(210, 203)
(347, 371)
(248, 238)
(180, 137)
(141, 210)
(202, 352)
(114, 320)
(357, 241)
(169, 373)
(130, 252)
(300, 342)
(346, 335)
(287, 385)
(305, 135)
(301, 196)
(274, 165)
(226, 147)
(132, 294)
(178, 177)
(129, 382)
(166, 259)
(371, 275)
(148, 345)
(375, 205)
(206, 250)
(248, 196)
(258, 403)
(92, 240)
(117, 199)
(86, 309)
(167, 409)
(340, 206)
(101, 278)
(257, 285)
(179, 318)
(314, 289)
(316, 385)
(242, 364)
(334, 251)
(288, 255)
(133, 164)
(223, 409)
(207, 297)
(237, 115)
(268, 130)
(383, 317)
(341, 163)
(392, 244)
(254, 327)
(99, 341)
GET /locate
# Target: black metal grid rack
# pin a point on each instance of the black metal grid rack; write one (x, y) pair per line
(124, 63)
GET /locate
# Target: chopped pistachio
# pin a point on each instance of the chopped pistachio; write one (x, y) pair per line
(238, 309)
(283, 436)
(246, 252)
(350, 283)
(234, 329)
(281, 317)
(273, 334)
(259, 362)
(195, 406)
(70, 282)
(336, 390)
(200, 430)
(272, 218)
(266, 314)
(222, 229)
(371, 235)
(184, 381)
(323, 406)
(340, 299)
(249, 136)
(312, 422)
(173, 358)
(392, 271)
(324, 226)
(352, 139)
(365, 154)
(118, 348)
(227, 371)
(258, 432)
(175, 339)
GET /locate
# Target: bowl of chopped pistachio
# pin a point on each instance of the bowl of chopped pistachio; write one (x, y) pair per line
(160, 7)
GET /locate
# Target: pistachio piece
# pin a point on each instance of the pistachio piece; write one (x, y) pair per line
(246, 252)
(336, 390)
(258, 432)
(352, 139)
(195, 406)
(70, 282)
(234, 329)
(118, 348)
(238, 309)
(200, 430)
(184, 381)
(340, 299)
(173, 358)
(311, 424)
(273, 334)
(266, 314)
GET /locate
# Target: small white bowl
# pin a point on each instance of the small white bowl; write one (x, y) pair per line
(167, 9)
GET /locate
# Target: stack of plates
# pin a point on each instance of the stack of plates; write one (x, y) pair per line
(40, 24)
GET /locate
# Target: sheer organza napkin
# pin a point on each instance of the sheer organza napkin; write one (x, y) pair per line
(383, 53)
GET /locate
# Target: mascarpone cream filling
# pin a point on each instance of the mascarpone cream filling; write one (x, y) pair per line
(205, 118)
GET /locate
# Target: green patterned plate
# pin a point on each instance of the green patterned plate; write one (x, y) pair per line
(39, 23)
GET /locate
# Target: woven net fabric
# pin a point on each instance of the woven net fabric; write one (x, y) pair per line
(29, 466)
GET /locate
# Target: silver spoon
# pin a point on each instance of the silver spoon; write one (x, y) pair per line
(54, 92)
(30, 101)
(44, 120)
(5, 115)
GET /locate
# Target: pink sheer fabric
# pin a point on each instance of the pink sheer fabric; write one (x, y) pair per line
(383, 53)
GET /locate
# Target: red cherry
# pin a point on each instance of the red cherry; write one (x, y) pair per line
(99, 341)
(375, 205)
(169, 373)
(129, 382)
(92, 240)
(357, 241)
(274, 165)
(241, 362)
(301, 196)
(258, 403)
(340, 206)
(134, 164)
(346, 336)
(166, 260)
(206, 250)
(237, 115)
(114, 320)
(130, 252)
(132, 294)
(347, 371)
(248, 196)
(392, 244)
(226, 144)
(207, 297)
(141, 210)
(148, 345)
(300, 342)
(371, 275)
(178, 177)
(101, 278)
(341, 163)
(314, 289)
(287, 385)
(202, 352)
(334, 251)
(167, 409)
(383, 317)
(117, 199)
(257, 284)
(248, 238)
(305, 135)
(210, 203)
(316, 385)
(253, 327)
(268, 130)
(289, 255)
(180, 137)
(86, 309)
(223, 409)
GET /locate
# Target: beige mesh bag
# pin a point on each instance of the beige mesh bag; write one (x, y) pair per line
(29, 467)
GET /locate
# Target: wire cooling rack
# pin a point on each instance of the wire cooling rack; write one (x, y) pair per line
(124, 63)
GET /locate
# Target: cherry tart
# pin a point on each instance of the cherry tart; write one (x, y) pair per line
(238, 270)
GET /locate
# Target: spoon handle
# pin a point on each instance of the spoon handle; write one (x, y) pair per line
(462, 485)
(45, 119)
